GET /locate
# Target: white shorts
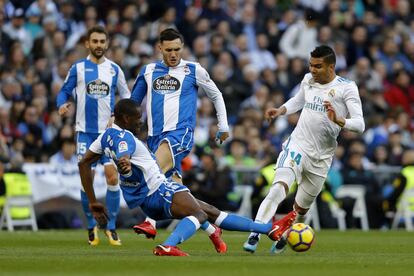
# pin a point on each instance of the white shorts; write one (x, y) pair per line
(310, 174)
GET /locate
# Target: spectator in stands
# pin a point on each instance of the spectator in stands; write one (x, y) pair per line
(66, 154)
(401, 92)
(211, 183)
(301, 37)
(402, 182)
(16, 31)
(354, 173)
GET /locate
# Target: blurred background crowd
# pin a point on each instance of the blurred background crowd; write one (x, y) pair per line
(256, 51)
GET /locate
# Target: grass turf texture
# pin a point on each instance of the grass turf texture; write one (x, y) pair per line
(333, 253)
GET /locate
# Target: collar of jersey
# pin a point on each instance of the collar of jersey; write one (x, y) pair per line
(115, 126)
(326, 85)
(182, 62)
(89, 59)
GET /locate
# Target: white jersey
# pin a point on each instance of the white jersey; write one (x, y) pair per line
(93, 87)
(315, 134)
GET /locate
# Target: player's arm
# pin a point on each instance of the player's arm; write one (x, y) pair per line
(355, 122)
(139, 89)
(66, 91)
(213, 93)
(293, 105)
(86, 174)
(122, 86)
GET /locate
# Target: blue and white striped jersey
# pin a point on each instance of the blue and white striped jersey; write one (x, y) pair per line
(172, 95)
(145, 177)
(93, 88)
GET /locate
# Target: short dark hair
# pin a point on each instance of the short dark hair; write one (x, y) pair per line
(97, 29)
(126, 107)
(326, 53)
(170, 34)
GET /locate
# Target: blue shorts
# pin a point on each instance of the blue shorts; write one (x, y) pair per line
(83, 142)
(180, 142)
(158, 204)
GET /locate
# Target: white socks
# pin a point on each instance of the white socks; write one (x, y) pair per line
(269, 205)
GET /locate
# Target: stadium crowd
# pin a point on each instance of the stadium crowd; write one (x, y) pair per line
(256, 51)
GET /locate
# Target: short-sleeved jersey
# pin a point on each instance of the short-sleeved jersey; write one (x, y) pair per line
(93, 88)
(314, 133)
(172, 95)
(145, 177)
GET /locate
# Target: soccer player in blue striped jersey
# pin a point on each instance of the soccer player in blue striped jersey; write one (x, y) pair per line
(171, 86)
(144, 185)
(92, 83)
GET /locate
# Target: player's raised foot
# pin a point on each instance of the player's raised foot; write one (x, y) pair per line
(219, 244)
(251, 244)
(279, 227)
(279, 246)
(93, 238)
(147, 229)
(167, 250)
(113, 237)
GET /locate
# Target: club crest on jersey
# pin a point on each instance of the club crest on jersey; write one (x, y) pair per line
(166, 84)
(331, 93)
(187, 70)
(122, 146)
(97, 89)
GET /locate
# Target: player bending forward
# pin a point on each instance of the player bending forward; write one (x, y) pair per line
(328, 103)
(143, 184)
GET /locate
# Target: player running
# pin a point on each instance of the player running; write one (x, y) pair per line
(328, 103)
(144, 185)
(92, 82)
(171, 87)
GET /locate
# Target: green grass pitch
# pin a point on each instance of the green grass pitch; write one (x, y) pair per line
(333, 253)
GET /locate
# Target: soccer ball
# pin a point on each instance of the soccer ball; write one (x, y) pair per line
(300, 237)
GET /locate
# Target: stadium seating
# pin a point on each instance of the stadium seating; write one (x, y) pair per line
(18, 209)
(360, 209)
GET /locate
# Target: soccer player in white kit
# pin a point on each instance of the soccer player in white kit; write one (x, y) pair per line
(328, 103)
(92, 83)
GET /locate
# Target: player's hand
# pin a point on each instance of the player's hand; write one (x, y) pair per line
(331, 113)
(221, 136)
(99, 213)
(110, 122)
(273, 113)
(63, 109)
(124, 165)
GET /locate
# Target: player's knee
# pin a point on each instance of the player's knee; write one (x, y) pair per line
(112, 179)
(211, 211)
(286, 177)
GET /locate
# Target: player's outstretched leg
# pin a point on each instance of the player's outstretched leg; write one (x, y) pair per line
(184, 230)
(284, 179)
(184, 207)
(112, 204)
(93, 238)
(234, 222)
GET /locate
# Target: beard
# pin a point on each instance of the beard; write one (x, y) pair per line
(98, 52)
